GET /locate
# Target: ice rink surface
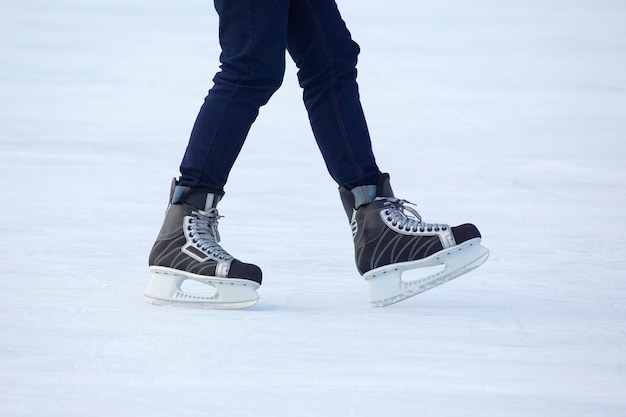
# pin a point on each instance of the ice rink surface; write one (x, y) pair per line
(510, 115)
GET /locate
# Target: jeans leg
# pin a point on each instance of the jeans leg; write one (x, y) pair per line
(323, 50)
(253, 41)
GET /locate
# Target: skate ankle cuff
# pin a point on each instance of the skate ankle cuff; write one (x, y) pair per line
(363, 194)
(200, 198)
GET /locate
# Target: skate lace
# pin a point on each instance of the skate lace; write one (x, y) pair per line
(400, 215)
(204, 233)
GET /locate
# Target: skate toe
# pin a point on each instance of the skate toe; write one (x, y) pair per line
(465, 232)
(243, 270)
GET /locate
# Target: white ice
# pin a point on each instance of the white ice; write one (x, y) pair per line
(508, 114)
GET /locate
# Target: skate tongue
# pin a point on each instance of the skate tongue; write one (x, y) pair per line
(209, 219)
(210, 200)
(403, 207)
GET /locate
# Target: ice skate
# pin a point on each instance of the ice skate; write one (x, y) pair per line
(399, 254)
(187, 248)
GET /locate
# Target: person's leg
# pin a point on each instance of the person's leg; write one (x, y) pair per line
(253, 40)
(253, 37)
(389, 236)
(323, 50)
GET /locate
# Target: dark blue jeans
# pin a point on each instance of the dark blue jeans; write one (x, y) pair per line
(254, 35)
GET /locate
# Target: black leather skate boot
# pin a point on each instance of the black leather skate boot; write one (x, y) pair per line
(391, 238)
(187, 247)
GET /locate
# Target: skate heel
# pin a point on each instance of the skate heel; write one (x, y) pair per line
(165, 284)
(163, 287)
(384, 287)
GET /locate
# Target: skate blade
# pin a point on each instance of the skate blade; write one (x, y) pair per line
(387, 286)
(165, 284)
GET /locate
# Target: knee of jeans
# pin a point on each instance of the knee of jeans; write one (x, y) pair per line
(338, 61)
(262, 77)
(271, 82)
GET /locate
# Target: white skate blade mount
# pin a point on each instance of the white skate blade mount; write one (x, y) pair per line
(230, 293)
(386, 285)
